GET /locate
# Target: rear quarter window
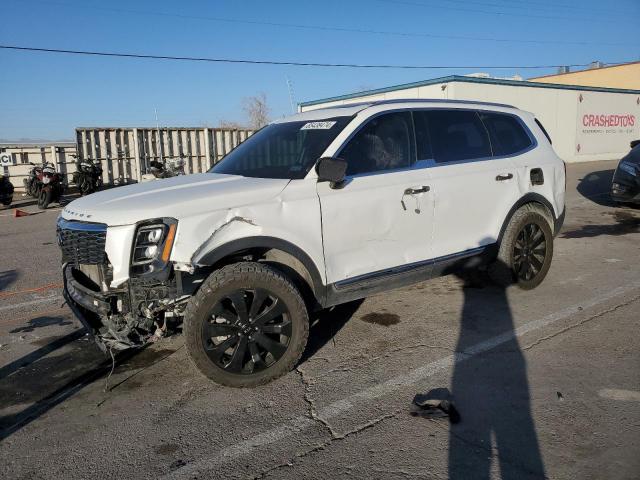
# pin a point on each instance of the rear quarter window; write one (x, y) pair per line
(544, 130)
(508, 135)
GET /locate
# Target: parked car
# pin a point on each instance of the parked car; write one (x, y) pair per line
(314, 210)
(625, 187)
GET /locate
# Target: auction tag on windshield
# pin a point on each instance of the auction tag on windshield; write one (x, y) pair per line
(318, 125)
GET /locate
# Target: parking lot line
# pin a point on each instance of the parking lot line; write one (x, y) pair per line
(37, 301)
(303, 422)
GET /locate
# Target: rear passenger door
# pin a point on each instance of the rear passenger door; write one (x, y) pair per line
(473, 189)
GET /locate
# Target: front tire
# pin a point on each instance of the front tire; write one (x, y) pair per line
(44, 198)
(526, 249)
(246, 326)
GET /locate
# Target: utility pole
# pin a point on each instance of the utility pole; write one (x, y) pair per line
(159, 137)
(291, 95)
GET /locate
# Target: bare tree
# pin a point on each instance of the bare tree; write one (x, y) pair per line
(256, 110)
(230, 124)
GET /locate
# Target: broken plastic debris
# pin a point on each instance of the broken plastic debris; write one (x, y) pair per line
(436, 403)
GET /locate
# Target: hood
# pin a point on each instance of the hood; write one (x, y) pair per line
(175, 197)
(633, 156)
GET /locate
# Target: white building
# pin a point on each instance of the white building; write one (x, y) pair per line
(584, 123)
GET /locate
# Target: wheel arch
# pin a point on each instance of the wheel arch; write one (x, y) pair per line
(286, 256)
(532, 198)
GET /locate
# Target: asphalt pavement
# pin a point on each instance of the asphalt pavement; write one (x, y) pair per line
(546, 382)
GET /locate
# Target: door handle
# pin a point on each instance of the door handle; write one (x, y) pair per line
(503, 177)
(413, 191)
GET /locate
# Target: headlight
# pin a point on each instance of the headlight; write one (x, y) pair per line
(152, 246)
(629, 168)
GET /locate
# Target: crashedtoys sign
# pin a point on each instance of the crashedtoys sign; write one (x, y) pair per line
(606, 123)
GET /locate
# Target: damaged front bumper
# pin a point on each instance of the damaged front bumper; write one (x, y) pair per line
(121, 318)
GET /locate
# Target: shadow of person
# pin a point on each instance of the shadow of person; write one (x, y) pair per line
(491, 392)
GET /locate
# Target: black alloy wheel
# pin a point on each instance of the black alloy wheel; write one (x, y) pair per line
(526, 249)
(529, 252)
(246, 325)
(248, 331)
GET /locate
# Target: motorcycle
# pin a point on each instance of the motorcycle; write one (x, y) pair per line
(169, 168)
(6, 190)
(32, 183)
(88, 176)
(45, 184)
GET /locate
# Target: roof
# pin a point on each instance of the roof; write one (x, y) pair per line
(617, 65)
(460, 78)
(350, 109)
(324, 113)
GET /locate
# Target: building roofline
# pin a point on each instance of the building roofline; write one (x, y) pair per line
(460, 78)
(586, 70)
(37, 145)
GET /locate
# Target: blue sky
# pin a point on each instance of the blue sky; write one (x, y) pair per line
(47, 95)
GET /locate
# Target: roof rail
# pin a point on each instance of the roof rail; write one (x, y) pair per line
(435, 100)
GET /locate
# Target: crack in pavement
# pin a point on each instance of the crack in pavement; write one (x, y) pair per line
(327, 443)
(313, 413)
(370, 359)
(407, 474)
(581, 322)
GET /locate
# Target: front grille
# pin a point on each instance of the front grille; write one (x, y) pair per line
(82, 243)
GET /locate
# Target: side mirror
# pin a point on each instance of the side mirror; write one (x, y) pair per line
(332, 170)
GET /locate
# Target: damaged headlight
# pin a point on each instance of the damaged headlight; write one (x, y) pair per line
(152, 246)
(629, 168)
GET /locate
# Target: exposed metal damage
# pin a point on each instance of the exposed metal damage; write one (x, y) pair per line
(207, 244)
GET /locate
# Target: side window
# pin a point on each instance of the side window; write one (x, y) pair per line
(385, 143)
(457, 135)
(507, 134)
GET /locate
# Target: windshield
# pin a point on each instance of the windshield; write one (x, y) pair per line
(282, 150)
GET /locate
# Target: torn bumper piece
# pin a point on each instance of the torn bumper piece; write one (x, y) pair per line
(83, 296)
(124, 318)
(85, 304)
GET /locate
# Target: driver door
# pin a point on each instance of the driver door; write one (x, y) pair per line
(381, 218)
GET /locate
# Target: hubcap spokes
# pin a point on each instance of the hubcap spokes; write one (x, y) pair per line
(529, 252)
(247, 331)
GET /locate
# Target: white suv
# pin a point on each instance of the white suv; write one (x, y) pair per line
(314, 210)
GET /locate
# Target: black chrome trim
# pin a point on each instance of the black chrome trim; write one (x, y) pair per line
(407, 268)
(431, 162)
(65, 224)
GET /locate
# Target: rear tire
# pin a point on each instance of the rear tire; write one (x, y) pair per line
(526, 249)
(246, 326)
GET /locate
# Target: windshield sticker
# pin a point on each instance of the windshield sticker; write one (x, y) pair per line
(318, 125)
